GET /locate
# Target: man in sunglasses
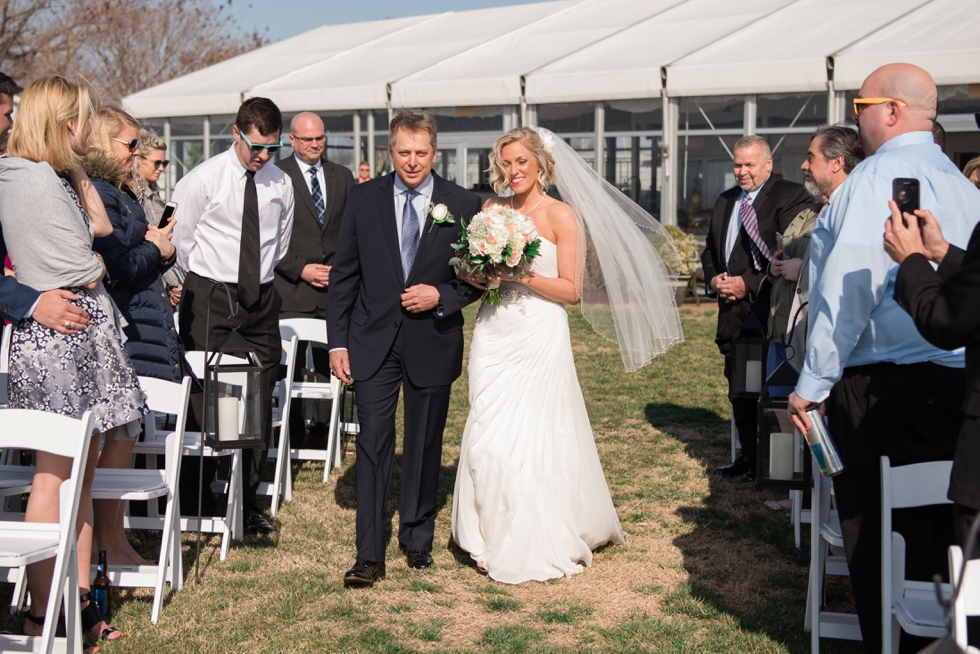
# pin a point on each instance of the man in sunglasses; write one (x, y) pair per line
(234, 221)
(886, 390)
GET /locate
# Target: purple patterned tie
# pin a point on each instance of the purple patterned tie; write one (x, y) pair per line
(751, 224)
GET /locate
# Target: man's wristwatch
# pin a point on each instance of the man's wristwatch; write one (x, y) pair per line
(438, 308)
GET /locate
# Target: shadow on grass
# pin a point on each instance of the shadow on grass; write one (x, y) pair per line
(739, 554)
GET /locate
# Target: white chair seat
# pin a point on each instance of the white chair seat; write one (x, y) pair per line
(128, 484)
(27, 543)
(920, 617)
(831, 531)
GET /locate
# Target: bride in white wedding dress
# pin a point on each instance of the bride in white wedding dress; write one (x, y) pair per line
(531, 501)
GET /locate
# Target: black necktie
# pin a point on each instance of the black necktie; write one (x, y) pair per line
(248, 257)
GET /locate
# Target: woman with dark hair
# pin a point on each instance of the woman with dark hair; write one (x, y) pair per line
(135, 254)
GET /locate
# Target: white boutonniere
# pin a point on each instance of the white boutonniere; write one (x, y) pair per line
(440, 215)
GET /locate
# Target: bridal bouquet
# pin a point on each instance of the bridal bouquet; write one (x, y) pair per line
(498, 239)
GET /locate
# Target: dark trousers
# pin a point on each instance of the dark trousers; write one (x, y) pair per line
(425, 419)
(259, 325)
(745, 413)
(911, 414)
(320, 419)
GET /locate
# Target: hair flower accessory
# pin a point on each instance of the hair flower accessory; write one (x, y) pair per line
(440, 215)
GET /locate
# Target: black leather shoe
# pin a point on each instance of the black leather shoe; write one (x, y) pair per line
(739, 466)
(419, 559)
(364, 573)
(749, 477)
(256, 522)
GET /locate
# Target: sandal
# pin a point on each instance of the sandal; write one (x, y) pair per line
(482, 569)
(92, 616)
(60, 631)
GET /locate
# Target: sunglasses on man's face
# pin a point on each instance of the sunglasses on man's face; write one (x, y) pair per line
(132, 145)
(256, 148)
(157, 163)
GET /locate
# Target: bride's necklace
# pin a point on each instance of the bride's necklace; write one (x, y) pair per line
(527, 213)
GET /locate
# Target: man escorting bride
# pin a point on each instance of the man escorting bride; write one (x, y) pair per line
(531, 501)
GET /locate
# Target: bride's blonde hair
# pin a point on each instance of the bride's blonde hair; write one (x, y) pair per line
(499, 179)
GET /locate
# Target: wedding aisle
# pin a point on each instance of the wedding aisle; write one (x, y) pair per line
(705, 566)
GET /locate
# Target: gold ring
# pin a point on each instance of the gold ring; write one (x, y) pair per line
(68, 325)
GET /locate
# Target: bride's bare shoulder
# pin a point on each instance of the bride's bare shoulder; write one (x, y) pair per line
(492, 201)
(561, 216)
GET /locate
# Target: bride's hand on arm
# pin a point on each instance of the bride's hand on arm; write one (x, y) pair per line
(90, 199)
(473, 280)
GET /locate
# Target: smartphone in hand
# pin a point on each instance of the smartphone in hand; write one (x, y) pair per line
(905, 193)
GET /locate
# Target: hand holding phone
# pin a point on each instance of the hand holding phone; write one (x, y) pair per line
(905, 193)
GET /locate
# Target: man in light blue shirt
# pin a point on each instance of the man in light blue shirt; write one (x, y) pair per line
(887, 391)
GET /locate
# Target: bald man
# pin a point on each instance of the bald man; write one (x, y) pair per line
(886, 390)
(303, 276)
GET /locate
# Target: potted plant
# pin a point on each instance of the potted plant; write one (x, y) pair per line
(681, 260)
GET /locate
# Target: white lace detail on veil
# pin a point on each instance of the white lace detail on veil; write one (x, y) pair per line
(626, 289)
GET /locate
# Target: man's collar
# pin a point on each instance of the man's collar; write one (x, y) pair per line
(425, 188)
(755, 193)
(305, 167)
(236, 163)
(908, 138)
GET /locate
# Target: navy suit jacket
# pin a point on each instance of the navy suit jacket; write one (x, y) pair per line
(364, 312)
(16, 299)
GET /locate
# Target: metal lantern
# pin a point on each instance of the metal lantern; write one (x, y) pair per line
(749, 346)
(782, 456)
(232, 392)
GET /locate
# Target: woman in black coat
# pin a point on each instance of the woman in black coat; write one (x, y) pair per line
(136, 255)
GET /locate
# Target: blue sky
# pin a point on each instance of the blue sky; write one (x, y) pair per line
(285, 18)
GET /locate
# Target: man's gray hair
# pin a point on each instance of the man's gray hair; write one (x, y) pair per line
(412, 121)
(150, 141)
(840, 141)
(751, 141)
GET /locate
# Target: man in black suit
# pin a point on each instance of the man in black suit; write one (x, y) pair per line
(303, 275)
(394, 320)
(739, 246)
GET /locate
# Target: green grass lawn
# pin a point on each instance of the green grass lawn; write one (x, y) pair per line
(705, 566)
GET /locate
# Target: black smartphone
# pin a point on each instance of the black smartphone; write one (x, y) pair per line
(168, 212)
(905, 193)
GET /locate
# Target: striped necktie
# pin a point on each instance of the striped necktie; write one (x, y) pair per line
(410, 233)
(751, 224)
(321, 207)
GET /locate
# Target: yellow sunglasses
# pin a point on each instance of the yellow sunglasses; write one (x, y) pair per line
(860, 104)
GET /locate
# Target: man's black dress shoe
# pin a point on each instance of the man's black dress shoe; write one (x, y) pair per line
(739, 466)
(364, 573)
(419, 559)
(749, 477)
(255, 521)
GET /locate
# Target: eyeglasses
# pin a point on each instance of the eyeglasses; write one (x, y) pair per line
(310, 139)
(860, 104)
(157, 163)
(132, 145)
(256, 148)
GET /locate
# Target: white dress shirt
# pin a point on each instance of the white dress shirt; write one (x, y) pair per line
(305, 169)
(210, 202)
(421, 202)
(735, 222)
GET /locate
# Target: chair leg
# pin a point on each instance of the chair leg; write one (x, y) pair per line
(73, 619)
(797, 497)
(20, 590)
(276, 488)
(333, 431)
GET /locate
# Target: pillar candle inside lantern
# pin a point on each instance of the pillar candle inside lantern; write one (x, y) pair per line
(781, 456)
(228, 418)
(753, 376)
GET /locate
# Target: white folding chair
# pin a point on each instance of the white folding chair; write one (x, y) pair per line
(911, 606)
(22, 544)
(825, 531)
(282, 482)
(314, 331)
(8, 332)
(132, 484)
(967, 603)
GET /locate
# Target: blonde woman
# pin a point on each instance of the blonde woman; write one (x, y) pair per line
(50, 213)
(531, 501)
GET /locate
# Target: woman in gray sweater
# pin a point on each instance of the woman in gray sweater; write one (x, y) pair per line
(50, 213)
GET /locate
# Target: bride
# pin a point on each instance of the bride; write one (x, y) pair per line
(531, 501)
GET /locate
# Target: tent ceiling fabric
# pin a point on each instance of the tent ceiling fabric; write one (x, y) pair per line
(584, 51)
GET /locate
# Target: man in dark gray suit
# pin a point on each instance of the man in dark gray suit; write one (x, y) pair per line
(303, 275)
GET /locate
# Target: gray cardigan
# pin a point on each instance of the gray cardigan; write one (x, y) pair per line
(50, 245)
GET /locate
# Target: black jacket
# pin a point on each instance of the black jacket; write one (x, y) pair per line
(364, 313)
(311, 243)
(775, 207)
(945, 306)
(135, 283)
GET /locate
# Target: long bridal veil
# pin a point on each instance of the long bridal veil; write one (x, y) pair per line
(627, 291)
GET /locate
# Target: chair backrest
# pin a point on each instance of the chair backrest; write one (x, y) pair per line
(307, 329)
(288, 358)
(968, 602)
(169, 398)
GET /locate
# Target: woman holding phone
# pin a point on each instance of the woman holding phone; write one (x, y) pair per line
(136, 255)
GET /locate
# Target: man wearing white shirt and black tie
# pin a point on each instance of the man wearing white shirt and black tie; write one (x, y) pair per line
(303, 276)
(235, 217)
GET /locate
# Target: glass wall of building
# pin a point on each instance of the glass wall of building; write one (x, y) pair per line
(632, 150)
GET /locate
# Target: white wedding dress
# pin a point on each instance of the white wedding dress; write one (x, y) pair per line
(531, 501)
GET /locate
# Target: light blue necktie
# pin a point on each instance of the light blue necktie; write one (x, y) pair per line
(317, 195)
(410, 233)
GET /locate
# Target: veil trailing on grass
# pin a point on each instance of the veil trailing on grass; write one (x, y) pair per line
(626, 289)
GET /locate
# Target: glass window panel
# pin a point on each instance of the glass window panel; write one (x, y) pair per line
(221, 125)
(340, 150)
(477, 164)
(155, 125)
(792, 110)
(789, 151)
(382, 163)
(634, 115)
(469, 119)
(219, 145)
(721, 113)
(567, 117)
(445, 165)
(704, 172)
(633, 166)
(187, 126)
(960, 99)
(185, 155)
